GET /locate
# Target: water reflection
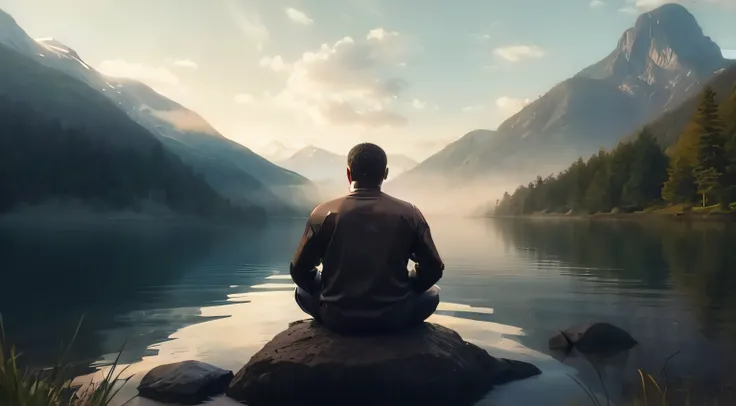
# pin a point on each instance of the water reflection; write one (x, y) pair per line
(217, 294)
(253, 318)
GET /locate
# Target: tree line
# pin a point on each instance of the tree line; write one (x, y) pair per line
(700, 169)
(42, 158)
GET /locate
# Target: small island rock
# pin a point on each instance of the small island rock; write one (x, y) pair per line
(186, 382)
(593, 338)
(428, 365)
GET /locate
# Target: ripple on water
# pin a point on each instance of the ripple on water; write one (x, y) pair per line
(239, 329)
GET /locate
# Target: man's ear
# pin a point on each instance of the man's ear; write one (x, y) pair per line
(349, 174)
(385, 175)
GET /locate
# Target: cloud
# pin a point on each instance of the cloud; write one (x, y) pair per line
(298, 16)
(597, 4)
(516, 53)
(151, 75)
(418, 104)
(729, 53)
(344, 113)
(275, 63)
(628, 10)
(249, 25)
(243, 98)
(351, 82)
(473, 108)
(380, 34)
(508, 106)
(185, 63)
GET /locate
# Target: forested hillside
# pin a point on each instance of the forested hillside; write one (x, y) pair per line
(700, 169)
(60, 139)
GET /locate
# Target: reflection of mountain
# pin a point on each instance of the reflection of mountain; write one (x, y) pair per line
(232, 169)
(656, 65)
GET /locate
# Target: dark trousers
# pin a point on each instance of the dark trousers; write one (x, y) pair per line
(417, 308)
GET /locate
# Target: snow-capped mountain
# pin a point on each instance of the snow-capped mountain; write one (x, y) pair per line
(232, 169)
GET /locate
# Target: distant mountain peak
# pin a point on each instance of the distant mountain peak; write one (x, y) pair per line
(666, 39)
(311, 151)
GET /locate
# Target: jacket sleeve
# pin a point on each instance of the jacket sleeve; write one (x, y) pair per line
(303, 267)
(429, 265)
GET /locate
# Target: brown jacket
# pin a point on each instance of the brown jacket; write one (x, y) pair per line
(364, 241)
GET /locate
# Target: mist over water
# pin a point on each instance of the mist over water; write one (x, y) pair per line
(217, 294)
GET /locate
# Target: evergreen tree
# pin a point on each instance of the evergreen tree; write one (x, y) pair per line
(680, 186)
(647, 171)
(707, 179)
(712, 160)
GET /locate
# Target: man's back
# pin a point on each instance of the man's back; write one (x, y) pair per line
(364, 241)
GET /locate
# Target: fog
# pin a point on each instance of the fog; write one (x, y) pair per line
(435, 195)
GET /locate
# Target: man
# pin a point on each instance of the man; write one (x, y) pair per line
(364, 241)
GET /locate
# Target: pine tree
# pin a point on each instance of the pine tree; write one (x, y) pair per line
(711, 145)
(680, 186)
(647, 171)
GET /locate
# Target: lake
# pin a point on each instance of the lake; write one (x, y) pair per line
(172, 292)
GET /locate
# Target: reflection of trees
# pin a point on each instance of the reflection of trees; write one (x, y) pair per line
(619, 249)
(59, 274)
(702, 261)
(698, 257)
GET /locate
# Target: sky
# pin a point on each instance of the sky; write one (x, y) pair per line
(410, 75)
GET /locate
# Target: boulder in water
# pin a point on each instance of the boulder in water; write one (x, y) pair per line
(593, 338)
(186, 382)
(428, 365)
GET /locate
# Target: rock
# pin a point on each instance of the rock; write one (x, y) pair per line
(593, 338)
(187, 382)
(428, 365)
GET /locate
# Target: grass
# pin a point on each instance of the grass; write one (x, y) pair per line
(52, 386)
(653, 392)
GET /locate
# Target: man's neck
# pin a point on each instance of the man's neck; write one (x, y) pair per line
(362, 186)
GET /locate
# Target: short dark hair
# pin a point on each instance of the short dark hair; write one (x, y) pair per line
(367, 163)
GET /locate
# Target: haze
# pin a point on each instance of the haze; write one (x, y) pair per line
(332, 74)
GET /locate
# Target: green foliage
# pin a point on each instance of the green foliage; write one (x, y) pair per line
(42, 158)
(638, 175)
(52, 387)
(630, 176)
(680, 185)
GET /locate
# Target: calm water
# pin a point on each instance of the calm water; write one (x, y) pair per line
(218, 294)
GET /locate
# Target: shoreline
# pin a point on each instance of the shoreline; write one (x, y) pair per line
(638, 216)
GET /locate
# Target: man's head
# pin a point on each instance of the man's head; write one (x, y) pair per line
(367, 165)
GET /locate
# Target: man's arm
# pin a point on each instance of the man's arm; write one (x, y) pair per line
(303, 267)
(429, 266)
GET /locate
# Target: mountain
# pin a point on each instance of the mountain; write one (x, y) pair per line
(668, 127)
(658, 63)
(639, 174)
(232, 169)
(62, 140)
(321, 165)
(275, 151)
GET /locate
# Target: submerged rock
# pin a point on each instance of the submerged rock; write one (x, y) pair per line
(186, 382)
(428, 365)
(593, 338)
